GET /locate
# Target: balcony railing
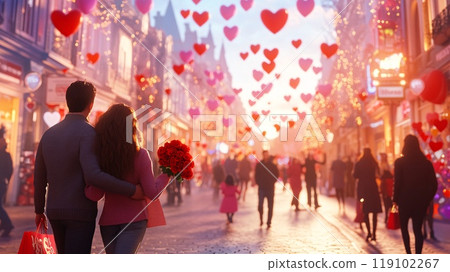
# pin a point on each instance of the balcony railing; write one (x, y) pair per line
(441, 27)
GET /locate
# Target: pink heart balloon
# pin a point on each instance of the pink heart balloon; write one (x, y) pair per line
(265, 112)
(86, 6)
(317, 70)
(212, 104)
(231, 32)
(325, 89)
(305, 7)
(228, 99)
(208, 73)
(257, 75)
(246, 4)
(306, 97)
(186, 56)
(305, 64)
(302, 115)
(227, 121)
(143, 6)
(256, 94)
(287, 98)
(218, 75)
(283, 118)
(266, 88)
(237, 91)
(251, 103)
(194, 112)
(227, 11)
(211, 81)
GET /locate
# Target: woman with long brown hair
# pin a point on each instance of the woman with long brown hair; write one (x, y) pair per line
(124, 220)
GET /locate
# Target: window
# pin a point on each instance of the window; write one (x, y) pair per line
(26, 17)
(125, 58)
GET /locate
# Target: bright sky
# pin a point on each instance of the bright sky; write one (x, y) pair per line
(313, 30)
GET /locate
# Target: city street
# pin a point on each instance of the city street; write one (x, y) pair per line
(196, 226)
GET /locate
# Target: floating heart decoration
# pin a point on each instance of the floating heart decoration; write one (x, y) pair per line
(196, 1)
(294, 82)
(212, 104)
(86, 6)
(211, 81)
(301, 115)
(274, 21)
(295, 109)
(255, 48)
(325, 89)
(417, 126)
(435, 146)
(168, 91)
(141, 80)
(255, 116)
(200, 48)
(65, 70)
(30, 106)
(329, 50)
(431, 117)
(244, 55)
(68, 23)
(277, 76)
(246, 4)
(251, 103)
(227, 121)
(51, 118)
(306, 97)
(256, 94)
(363, 95)
(277, 127)
(317, 70)
(305, 64)
(179, 69)
(268, 67)
(229, 99)
(220, 97)
(92, 58)
(271, 54)
(185, 13)
(423, 136)
(257, 75)
(287, 98)
(265, 112)
(200, 18)
(264, 133)
(186, 56)
(231, 32)
(440, 124)
(283, 118)
(227, 11)
(208, 73)
(305, 7)
(194, 112)
(237, 91)
(291, 124)
(218, 75)
(266, 88)
(296, 43)
(143, 6)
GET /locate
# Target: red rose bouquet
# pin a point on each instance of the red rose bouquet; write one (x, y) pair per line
(175, 160)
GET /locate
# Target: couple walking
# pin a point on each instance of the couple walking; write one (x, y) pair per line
(76, 165)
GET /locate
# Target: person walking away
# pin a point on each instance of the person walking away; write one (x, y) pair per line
(349, 179)
(65, 163)
(122, 224)
(266, 174)
(229, 204)
(294, 172)
(311, 177)
(387, 185)
(415, 185)
(338, 169)
(366, 170)
(245, 168)
(218, 176)
(6, 170)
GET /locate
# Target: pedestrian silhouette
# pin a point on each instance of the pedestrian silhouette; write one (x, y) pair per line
(338, 168)
(229, 203)
(6, 170)
(294, 172)
(387, 185)
(311, 177)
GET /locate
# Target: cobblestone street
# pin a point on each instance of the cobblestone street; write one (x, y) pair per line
(196, 226)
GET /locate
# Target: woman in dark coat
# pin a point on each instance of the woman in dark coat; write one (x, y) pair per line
(415, 185)
(366, 170)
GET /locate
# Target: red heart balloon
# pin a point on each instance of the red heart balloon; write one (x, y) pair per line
(168, 91)
(271, 54)
(435, 87)
(268, 67)
(185, 13)
(295, 109)
(440, 124)
(417, 126)
(92, 58)
(329, 50)
(435, 146)
(178, 68)
(291, 124)
(68, 23)
(431, 117)
(200, 48)
(255, 116)
(255, 48)
(244, 55)
(274, 21)
(200, 18)
(294, 82)
(297, 43)
(423, 136)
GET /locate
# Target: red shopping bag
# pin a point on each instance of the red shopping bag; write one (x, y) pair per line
(393, 222)
(155, 214)
(359, 218)
(37, 242)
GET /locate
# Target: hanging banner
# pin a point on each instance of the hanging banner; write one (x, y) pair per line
(56, 89)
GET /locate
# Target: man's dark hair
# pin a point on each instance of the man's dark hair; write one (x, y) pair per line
(80, 95)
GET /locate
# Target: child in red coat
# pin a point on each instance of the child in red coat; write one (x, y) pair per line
(229, 202)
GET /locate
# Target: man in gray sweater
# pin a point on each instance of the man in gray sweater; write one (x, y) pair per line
(65, 163)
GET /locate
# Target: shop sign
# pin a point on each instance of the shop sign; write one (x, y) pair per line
(33, 81)
(56, 89)
(10, 71)
(390, 92)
